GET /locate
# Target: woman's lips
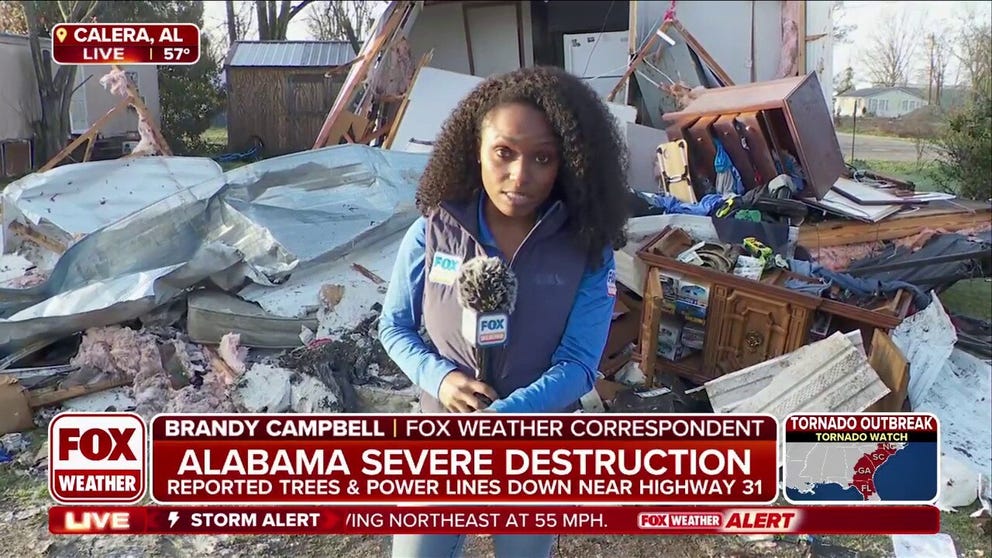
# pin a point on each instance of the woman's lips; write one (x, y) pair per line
(516, 198)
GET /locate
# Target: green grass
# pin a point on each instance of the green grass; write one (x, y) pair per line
(230, 165)
(19, 487)
(867, 130)
(969, 537)
(215, 136)
(925, 175)
(972, 297)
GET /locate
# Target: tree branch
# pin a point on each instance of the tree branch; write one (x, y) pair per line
(298, 7)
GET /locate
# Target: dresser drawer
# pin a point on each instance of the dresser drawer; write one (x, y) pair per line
(748, 328)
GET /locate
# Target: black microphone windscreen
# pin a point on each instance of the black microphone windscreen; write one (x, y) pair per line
(487, 285)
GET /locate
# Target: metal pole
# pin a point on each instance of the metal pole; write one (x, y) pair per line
(854, 128)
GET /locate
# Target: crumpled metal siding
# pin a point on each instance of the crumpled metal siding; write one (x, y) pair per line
(256, 224)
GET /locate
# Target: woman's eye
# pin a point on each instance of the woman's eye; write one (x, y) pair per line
(503, 153)
(543, 159)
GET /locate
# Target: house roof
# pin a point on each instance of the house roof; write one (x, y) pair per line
(872, 91)
(314, 54)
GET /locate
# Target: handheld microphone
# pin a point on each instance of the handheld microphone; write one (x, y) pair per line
(487, 293)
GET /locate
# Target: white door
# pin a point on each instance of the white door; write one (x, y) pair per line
(494, 36)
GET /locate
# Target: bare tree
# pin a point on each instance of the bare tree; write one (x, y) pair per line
(841, 31)
(974, 51)
(232, 25)
(240, 20)
(889, 56)
(274, 17)
(54, 89)
(342, 20)
(844, 81)
(937, 51)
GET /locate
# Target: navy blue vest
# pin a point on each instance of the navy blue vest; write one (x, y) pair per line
(549, 266)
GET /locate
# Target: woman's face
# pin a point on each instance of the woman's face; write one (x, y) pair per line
(519, 157)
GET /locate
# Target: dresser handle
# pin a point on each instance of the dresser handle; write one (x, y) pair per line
(753, 340)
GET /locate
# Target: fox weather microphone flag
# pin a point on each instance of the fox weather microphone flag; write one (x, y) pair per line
(487, 293)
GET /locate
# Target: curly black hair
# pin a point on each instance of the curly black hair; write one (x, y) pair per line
(592, 177)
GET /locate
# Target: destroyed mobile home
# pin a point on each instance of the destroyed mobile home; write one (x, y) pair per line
(762, 275)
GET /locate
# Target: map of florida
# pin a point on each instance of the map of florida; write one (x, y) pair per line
(864, 470)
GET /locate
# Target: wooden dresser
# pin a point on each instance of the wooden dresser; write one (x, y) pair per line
(746, 321)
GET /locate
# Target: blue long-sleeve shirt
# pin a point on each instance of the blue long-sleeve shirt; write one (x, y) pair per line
(574, 364)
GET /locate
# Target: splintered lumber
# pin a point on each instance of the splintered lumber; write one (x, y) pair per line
(394, 126)
(131, 98)
(391, 20)
(88, 135)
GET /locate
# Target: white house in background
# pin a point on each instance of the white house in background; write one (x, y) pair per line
(886, 102)
(20, 106)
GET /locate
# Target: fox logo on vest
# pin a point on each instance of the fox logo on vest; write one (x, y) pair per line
(611, 283)
(444, 268)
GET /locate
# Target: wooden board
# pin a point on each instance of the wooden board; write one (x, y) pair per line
(433, 95)
(702, 153)
(753, 133)
(893, 369)
(673, 161)
(394, 126)
(839, 233)
(864, 194)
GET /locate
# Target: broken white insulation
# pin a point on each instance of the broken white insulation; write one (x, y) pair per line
(233, 354)
(116, 81)
(136, 354)
(961, 398)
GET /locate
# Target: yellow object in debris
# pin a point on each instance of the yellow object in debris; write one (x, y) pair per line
(673, 161)
(757, 249)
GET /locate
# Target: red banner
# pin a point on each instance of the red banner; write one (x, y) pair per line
(126, 43)
(438, 459)
(595, 520)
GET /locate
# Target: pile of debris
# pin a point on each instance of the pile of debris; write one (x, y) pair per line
(203, 291)
(762, 273)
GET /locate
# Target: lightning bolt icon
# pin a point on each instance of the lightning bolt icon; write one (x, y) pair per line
(173, 518)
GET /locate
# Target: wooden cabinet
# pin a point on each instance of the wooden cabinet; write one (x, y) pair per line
(748, 328)
(746, 321)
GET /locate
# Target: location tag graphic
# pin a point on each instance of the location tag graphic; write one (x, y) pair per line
(60, 34)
